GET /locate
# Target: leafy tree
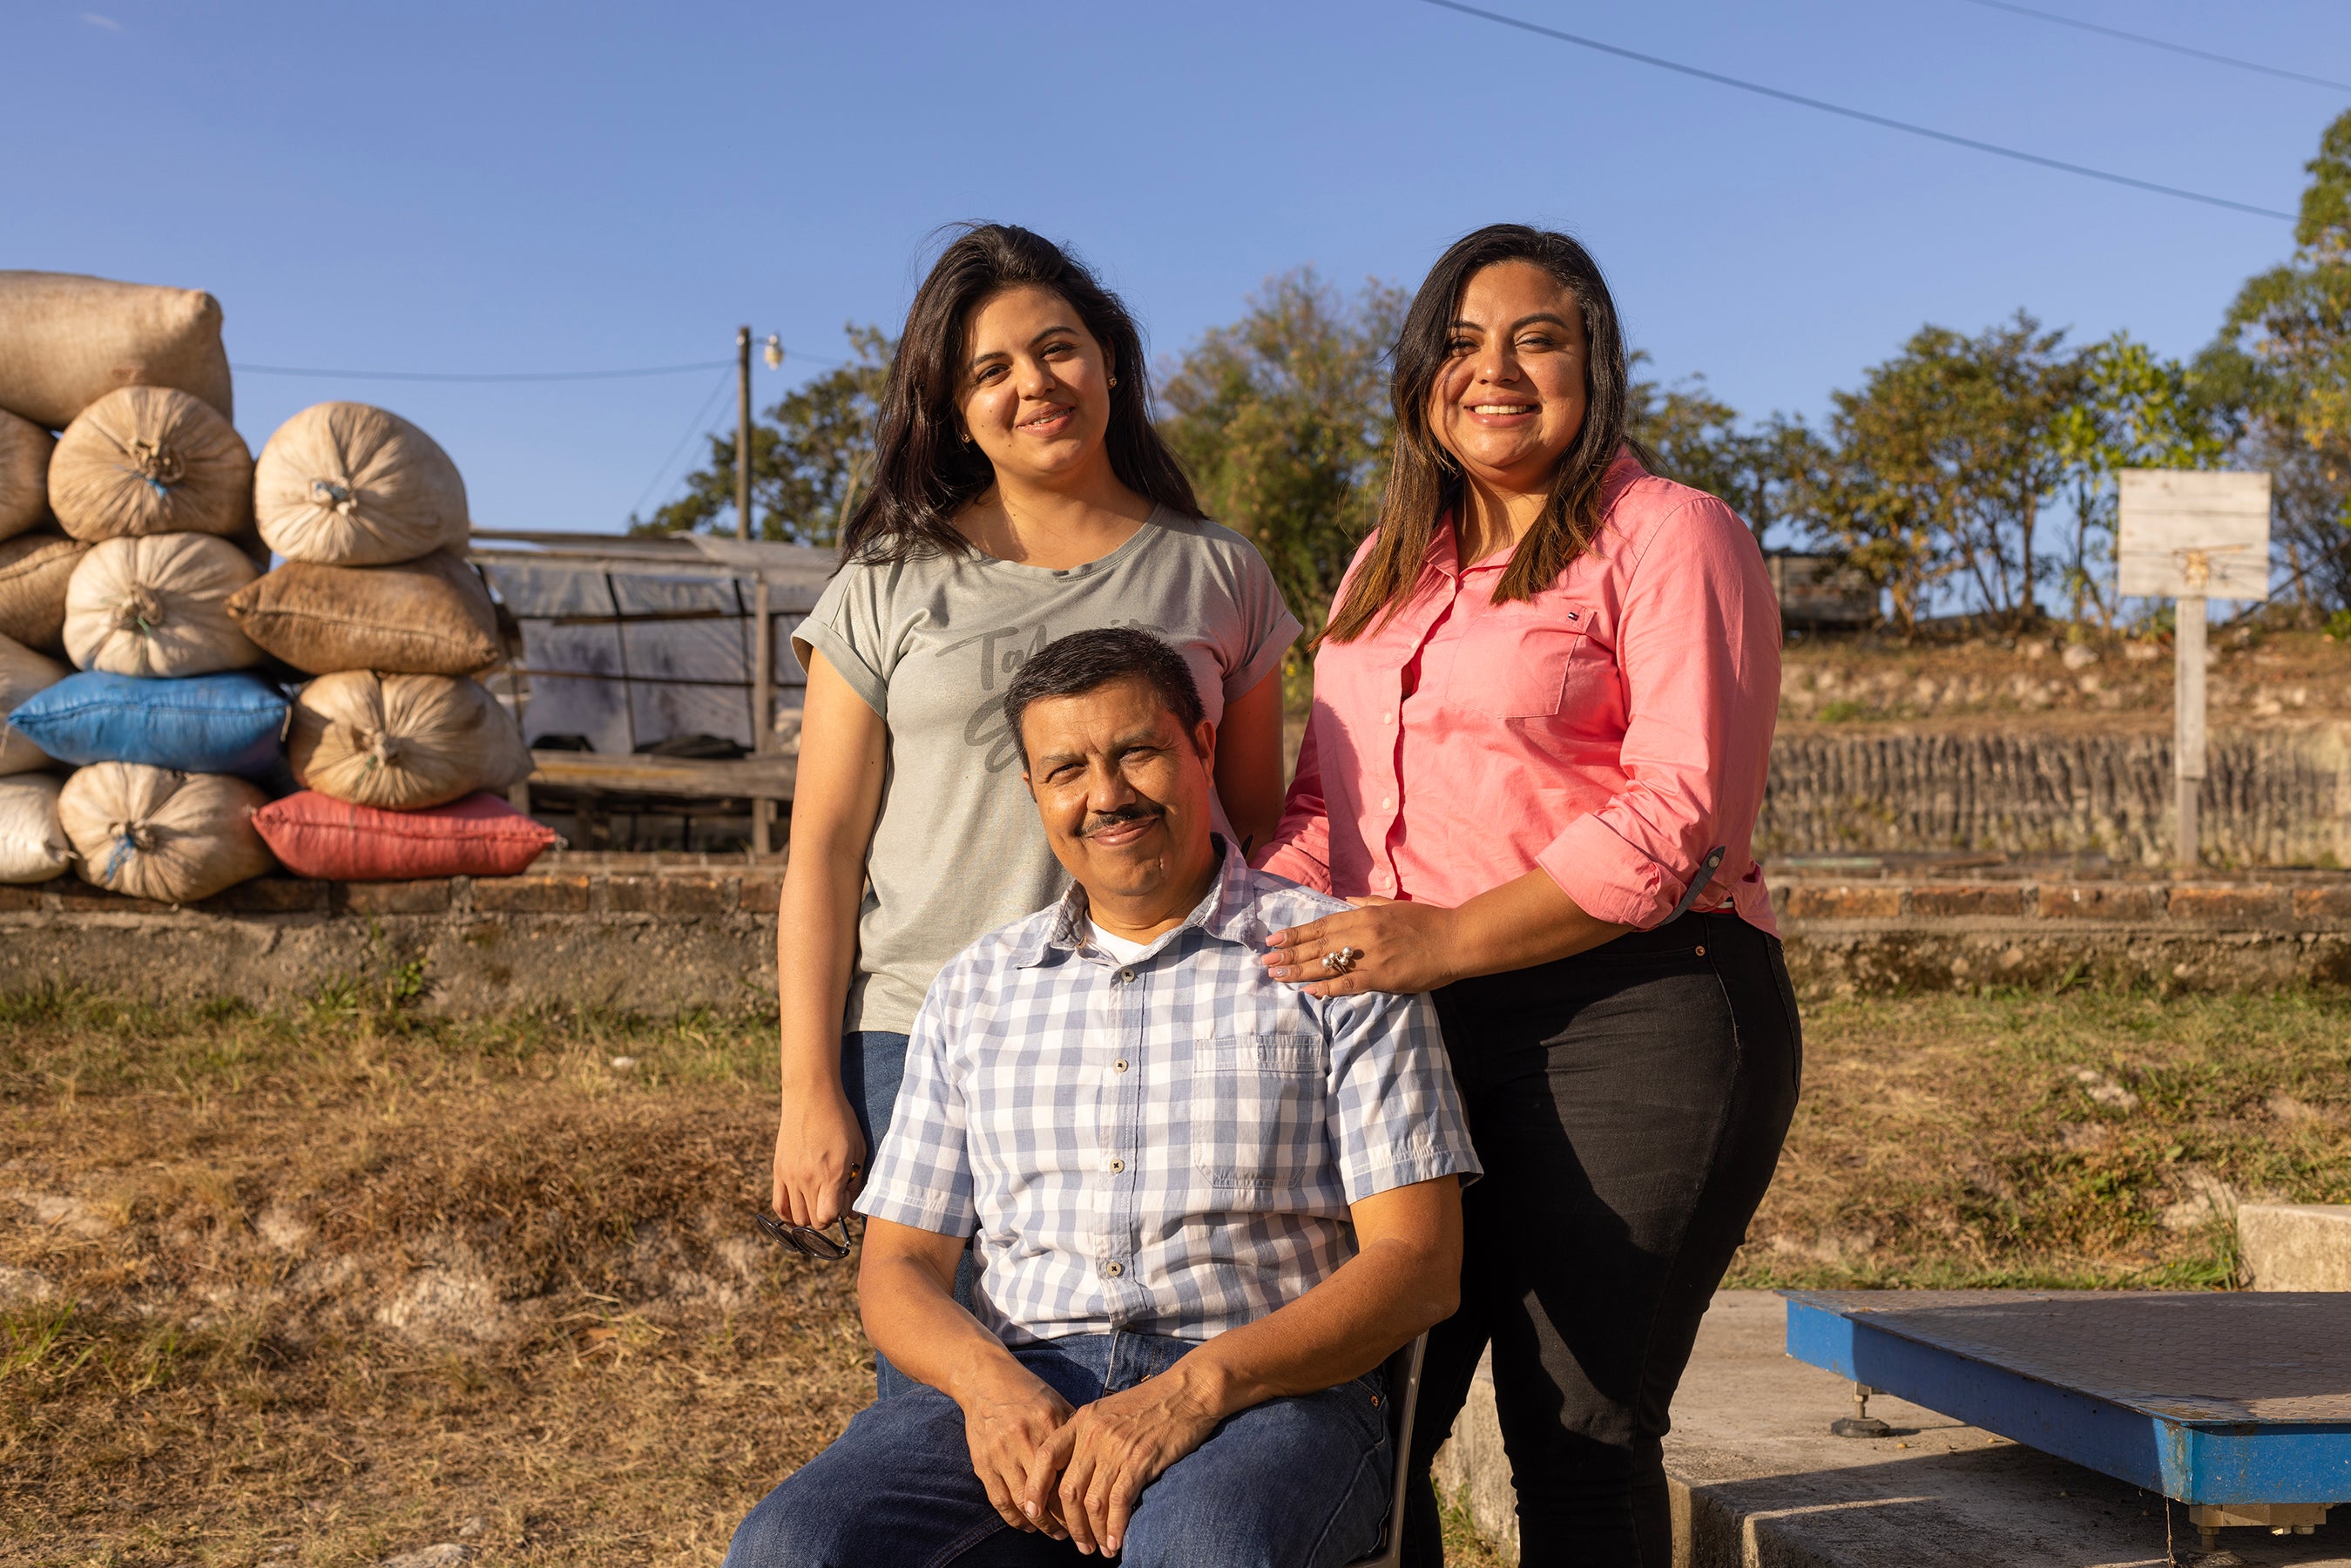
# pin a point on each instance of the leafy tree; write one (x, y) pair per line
(1940, 464)
(2284, 348)
(811, 454)
(1694, 437)
(1283, 419)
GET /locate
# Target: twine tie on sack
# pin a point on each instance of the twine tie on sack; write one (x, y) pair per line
(157, 464)
(382, 751)
(141, 612)
(335, 497)
(130, 839)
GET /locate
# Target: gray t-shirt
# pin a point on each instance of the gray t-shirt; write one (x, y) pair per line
(931, 645)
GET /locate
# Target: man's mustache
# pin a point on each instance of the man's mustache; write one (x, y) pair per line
(1108, 819)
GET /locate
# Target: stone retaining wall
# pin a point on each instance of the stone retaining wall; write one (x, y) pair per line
(634, 934)
(1898, 934)
(659, 933)
(2278, 797)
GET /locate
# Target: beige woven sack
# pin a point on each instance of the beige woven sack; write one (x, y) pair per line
(428, 617)
(403, 742)
(158, 606)
(343, 483)
(149, 832)
(24, 474)
(33, 846)
(23, 672)
(35, 570)
(67, 340)
(149, 460)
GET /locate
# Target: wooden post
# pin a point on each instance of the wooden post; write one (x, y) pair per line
(742, 433)
(763, 710)
(2188, 722)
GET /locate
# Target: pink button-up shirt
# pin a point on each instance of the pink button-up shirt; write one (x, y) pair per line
(1612, 730)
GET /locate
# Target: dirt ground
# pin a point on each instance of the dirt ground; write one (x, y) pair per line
(2257, 677)
(334, 1287)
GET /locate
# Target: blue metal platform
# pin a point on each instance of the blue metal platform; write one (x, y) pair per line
(2205, 1396)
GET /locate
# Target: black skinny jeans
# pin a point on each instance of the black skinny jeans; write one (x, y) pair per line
(1628, 1104)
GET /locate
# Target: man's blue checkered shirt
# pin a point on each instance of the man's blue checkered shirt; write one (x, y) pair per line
(1169, 1145)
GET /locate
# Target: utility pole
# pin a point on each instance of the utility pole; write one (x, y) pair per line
(742, 433)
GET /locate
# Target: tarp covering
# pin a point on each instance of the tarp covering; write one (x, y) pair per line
(629, 653)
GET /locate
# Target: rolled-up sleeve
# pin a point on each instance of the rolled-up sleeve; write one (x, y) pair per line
(1698, 651)
(1300, 849)
(922, 1174)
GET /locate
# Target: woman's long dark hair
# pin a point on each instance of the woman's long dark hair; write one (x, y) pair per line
(924, 471)
(1425, 480)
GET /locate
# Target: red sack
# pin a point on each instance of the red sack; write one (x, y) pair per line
(481, 835)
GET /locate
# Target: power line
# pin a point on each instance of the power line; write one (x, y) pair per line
(467, 376)
(793, 356)
(701, 419)
(2163, 44)
(1861, 115)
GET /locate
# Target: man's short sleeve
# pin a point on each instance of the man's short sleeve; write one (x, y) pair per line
(847, 626)
(1395, 1112)
(922, 1173)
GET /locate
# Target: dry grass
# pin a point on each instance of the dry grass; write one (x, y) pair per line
(320, 1291)
(1954, 1140)
(323, 1289)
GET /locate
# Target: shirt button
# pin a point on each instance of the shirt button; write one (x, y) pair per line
(1126, 973)
(1118, 1165)
(1115, 1270)
(1387, 803)
(1387, 719)
(1383, 880)
(1119, 1066)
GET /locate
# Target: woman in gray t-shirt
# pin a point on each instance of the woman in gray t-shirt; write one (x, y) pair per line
(1020, 493)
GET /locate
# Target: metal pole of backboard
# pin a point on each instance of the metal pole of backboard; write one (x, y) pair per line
(2191, 538)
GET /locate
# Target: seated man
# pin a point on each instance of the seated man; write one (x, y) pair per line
(1208, 1205)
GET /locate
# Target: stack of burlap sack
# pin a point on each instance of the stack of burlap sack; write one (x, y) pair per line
(135, 544)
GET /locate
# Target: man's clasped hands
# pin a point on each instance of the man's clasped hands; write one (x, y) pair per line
(1074, 1474)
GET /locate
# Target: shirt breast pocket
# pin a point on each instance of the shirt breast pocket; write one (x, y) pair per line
(1257, 1114)
(1514, 662)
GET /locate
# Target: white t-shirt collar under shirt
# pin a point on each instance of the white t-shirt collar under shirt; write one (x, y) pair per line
(1118, 948)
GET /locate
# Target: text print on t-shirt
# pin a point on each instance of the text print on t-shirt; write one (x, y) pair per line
(1001, 654)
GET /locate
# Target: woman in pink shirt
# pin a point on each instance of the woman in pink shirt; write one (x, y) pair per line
(1543, 720)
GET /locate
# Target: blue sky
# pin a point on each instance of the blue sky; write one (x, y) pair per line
(499, 187)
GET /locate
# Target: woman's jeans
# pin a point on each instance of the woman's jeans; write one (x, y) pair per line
(1298, 1482)
(1628, 1104)
(872, 1063)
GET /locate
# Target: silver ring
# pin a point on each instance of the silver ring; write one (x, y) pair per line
(1340, 962)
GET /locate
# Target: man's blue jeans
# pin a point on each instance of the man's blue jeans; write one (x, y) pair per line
(1298, 1482)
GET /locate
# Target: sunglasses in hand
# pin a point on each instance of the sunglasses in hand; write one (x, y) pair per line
(805, 1239)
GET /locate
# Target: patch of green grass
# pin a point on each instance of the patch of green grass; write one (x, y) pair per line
(1952, 1140)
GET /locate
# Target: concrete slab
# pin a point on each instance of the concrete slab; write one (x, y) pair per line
(1759, 1483)
(2295, 1246)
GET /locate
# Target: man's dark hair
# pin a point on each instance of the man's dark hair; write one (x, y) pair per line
(1085, 660)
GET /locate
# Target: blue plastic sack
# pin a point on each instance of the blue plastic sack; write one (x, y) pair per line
(229, 723)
